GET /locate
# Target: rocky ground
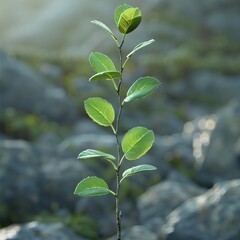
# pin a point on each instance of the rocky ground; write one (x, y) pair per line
(195, 114)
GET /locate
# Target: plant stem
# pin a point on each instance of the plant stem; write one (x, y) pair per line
(118, 178)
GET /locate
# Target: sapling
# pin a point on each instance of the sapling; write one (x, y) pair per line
(138, 140)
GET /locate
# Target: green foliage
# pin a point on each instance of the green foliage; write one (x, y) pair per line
(101, 62)
(141, 88)
(106, 28)
(139, 46)
(137, 169)
(92, 186)
(129, 20)
(100, 111)
(91, 153)
(138, 140)
(23, 125)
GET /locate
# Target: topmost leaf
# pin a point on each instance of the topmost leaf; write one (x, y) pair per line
(129, 20)
(119, 10)
(101, 62)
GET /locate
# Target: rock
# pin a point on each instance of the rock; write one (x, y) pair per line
(212, 215)
(207, 87)
(25, 90)
(19, 177)
(215, 144)
(160, 200)
(64, 25)
(73, 145)
(33, 181)
(95, 208)
(137, 233)
(59, 178)
(38, 231)
(215, 16)
(175, 150)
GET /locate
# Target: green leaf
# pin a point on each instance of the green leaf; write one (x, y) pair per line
(140, 168)
(106, 28)
(141, 88)
(91, 153)
(139, 46)
(129, 20)
(119, 10)
(106, 75)
(100, 111)
(92, 186)
(101, 62)
(136, 142)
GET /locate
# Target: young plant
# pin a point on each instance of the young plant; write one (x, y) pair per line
(138, 140)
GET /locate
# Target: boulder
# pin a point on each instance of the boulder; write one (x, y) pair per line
(217, 16)
(26, 90)
(215, 144)
(212, 215)
(38, 231)
(207, 87)
(73, 145)
(32, 182)
(19, 178)
(137, 233)
(160, 200)
(59, 178)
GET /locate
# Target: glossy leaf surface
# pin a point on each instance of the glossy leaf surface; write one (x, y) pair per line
(129, 20)
(139, 46)
(92, 186)
(106, 75)
(101, 62)
(100, 111)
(141, 88)
(119, 10)
(91, 153)
(136, 142)
(105, 27)
(137, 169)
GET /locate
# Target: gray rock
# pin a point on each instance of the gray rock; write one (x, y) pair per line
(175, 149)
(137, 233)
(59, 178)
(219, 16)
(19, 178)
(38, 231)
(25, 90)
(32, 182)
(162, 199)
(73, 145)
(213, 215)
(208, 87)
(215, 144)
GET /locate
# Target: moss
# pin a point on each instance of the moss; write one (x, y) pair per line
(79, 223)
(27, 126)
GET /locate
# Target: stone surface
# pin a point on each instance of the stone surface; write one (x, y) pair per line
(32, 181)
(160, 200)
(38, 231)
(213, 215)
(19, 179)
(207, 87)
(26, 90)
(137, 233)
(215, 144)
(59, 178)
(73, 145)
(214, 16)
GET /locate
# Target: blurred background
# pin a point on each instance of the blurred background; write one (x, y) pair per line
(195, 114)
